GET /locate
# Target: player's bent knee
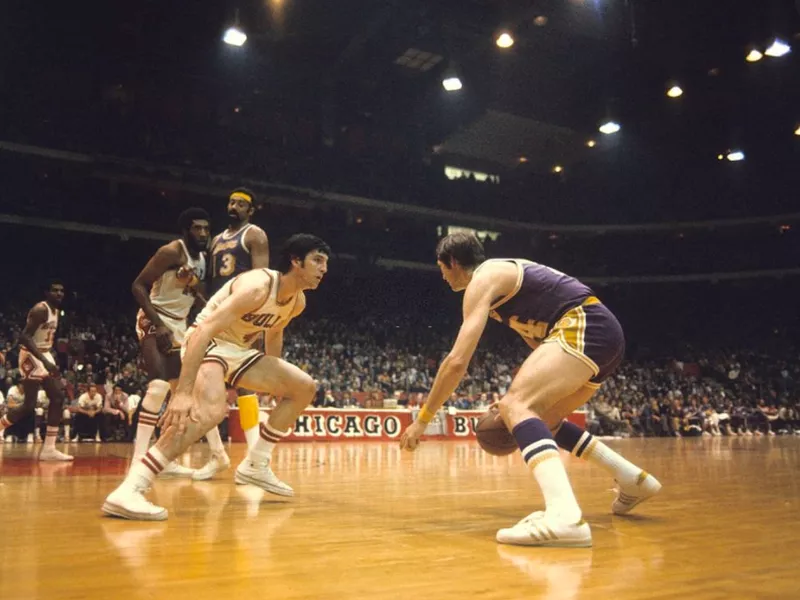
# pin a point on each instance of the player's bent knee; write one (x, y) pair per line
(512, 405)
(307, 389)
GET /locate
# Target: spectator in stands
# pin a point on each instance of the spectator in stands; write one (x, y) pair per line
(87, 413)
(117, 420)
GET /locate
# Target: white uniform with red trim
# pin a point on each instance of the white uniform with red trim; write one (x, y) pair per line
(30, 366)
(233, 347)
(173, 299)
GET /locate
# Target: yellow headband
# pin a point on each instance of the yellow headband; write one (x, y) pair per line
(241, 196)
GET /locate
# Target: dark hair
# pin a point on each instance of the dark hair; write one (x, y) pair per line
(190, 215)
(244, 190)
(55, 282)
(298, 246)
(465, 248)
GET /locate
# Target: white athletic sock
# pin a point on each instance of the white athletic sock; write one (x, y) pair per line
(550, 474)
(268, 438)
(50, 438)
(215, 441)
(144, 432)
(144, 471)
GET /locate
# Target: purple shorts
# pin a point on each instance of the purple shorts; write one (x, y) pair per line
(591, 333)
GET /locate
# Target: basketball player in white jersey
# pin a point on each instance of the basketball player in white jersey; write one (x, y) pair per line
(241, 247)
(38, 369)
(219, 348)
(166, 289)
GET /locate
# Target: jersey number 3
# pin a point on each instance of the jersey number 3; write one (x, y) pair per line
(224, 265)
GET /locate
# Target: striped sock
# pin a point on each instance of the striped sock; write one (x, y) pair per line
(268, 437)
(584, 445)
(144, 432)
(50, 437)
(540, 453)
(143, 472)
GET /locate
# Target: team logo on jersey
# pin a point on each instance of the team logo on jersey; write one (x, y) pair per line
(263, 320)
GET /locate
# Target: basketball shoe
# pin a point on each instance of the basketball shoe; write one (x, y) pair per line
(128, 502)
(628, 496)
(216, 464)
(174, 471)
(260, 474)
(539, 529)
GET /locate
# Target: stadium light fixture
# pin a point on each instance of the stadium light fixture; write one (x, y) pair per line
(504, 40)
(778, 48)
(591, 143)
(609, 127)
(452, 84)
(558, 169)
(675, 91)
(735, 156)
(754, 56)
(234, 37)
(797, 131)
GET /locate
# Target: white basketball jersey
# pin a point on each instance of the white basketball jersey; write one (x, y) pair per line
(251, 327)
(172, 297)
(46, 332)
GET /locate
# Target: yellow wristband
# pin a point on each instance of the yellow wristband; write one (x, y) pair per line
(425, 415)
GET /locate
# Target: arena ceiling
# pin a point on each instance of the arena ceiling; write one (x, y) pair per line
(574, 64)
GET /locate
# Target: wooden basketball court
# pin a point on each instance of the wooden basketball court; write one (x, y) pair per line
(371, 522)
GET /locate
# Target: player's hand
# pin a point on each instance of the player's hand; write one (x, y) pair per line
(163, 339)
(180, 412)
(186, 275)
(52, 369)
(410, 438)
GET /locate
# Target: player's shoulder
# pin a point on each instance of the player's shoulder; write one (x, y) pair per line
(254, 232)
(495, 275)
(39, 308)
(173, 249)
(255, 280)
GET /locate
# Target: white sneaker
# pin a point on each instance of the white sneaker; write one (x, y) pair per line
(127, 502)
(261, 475)
(216, 464)
(173, 471)
(537, 529)
(628, 496)
(54, 455)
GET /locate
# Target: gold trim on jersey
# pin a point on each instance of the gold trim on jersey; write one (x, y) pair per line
(517, 285)
(225, 236)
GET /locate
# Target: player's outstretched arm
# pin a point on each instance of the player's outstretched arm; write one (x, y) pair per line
(477, 302)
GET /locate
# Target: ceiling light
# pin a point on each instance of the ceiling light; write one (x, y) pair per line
(675, 91)
(235, 37)
(778, 49)
(523, 159)
(504, 40)
(452, 84)
(720, 156)
(797, 131)
(735, 156)
(540, 21)
(754, 56)
(558, 169)
(609, 128)
(591, 143)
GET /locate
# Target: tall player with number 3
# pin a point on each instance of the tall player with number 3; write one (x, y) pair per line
(241, 247)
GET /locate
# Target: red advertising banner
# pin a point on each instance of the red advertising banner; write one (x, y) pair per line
(331, 424)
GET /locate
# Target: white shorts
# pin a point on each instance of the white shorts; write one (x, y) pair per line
(31, 367)
(235, 359)
(145, 328)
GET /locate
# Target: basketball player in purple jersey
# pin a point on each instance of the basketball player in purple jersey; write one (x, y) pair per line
(241, 247)
(577, 343)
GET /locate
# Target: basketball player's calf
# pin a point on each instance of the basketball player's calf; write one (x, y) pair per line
(207, 411)
(635, 485)
(163, 370)
(298, 391)
(54, 415)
